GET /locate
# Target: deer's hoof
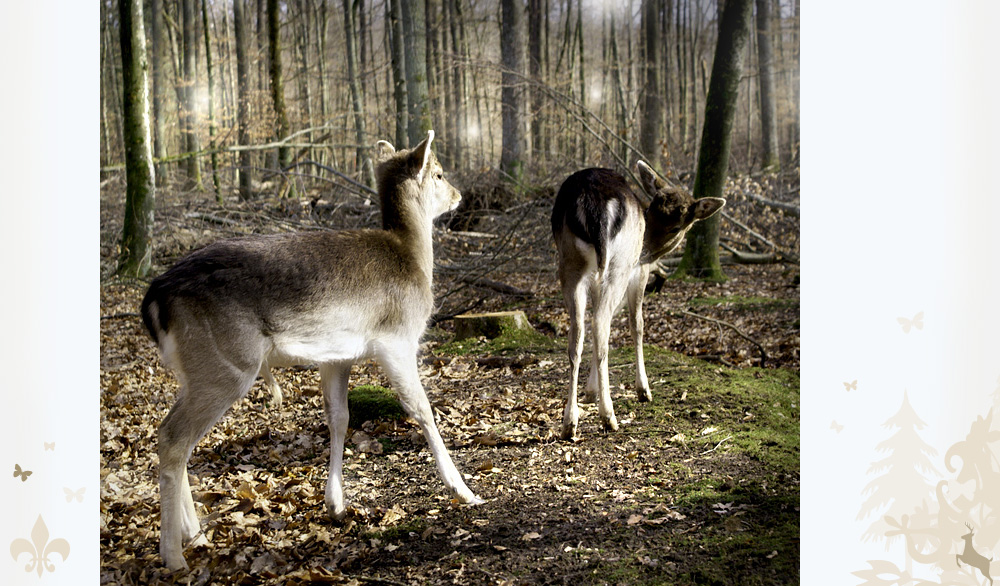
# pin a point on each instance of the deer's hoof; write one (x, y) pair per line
(644, 395)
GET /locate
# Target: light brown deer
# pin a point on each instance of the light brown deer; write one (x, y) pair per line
(972, 557)
(328, 298)
(607, 239)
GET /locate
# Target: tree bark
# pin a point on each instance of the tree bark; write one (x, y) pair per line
(535, 22)
(652, 105)
(243, 91)
(399, 75)
(701, 254)
(214, 158)
(190, 44)
(363, 161)
(415, 45)
(158, 63)
(512, 153)
(137, 234)
(277, 86)
(765, 64)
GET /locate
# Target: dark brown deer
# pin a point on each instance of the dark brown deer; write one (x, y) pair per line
(328, 298)
(972, 557)
(607, 239)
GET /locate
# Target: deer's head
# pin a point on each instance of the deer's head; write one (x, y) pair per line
(671, 213)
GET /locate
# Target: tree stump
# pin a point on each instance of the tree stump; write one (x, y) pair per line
(490, 325)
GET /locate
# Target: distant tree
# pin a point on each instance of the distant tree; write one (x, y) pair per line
(158, 64)
(140, 191)
(399, 74)
(243, 97)
(701, 253)
(211, 101)
(190, 44)
(363, 161)
(415, 45)
(765, 65)
(277, 86)
(652, 104)
(513, 120)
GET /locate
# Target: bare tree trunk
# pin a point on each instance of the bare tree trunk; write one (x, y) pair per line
(701, 254)
(211, 100)
(277, 86)
(243, 90)
(190, 80)
(363, 161)
(158, 64)
(535, 72)
(765, 63)
(512, 154)
(137, 234)
(399, 75)
(652, 105)
(415, 45)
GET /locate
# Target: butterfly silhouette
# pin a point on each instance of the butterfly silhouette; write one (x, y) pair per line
(70, 494)
(836, 426)
(851, 386)
(50, 447)
(916, 322)
(24, 474)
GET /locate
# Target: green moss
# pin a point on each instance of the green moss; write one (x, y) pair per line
(371, 403)
(510, 341)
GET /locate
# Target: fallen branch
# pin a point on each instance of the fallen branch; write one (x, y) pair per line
(784, 255)
(120, 315)
(763, 353)
(496, 286)
(785, 207)
(212, 219)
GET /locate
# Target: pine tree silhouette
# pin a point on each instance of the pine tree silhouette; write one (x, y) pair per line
(902, 485)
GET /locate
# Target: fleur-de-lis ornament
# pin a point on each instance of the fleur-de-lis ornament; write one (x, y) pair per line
(39, 548)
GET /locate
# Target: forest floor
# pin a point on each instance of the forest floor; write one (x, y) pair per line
(699, 486)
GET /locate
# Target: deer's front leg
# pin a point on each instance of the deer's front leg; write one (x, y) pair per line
(334, 379)
(636, 289)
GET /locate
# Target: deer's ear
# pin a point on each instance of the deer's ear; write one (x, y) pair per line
(707, 206)
(651, 182)
(383, 150)
(422, 152)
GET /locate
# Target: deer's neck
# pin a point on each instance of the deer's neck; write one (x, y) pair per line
(413, 229)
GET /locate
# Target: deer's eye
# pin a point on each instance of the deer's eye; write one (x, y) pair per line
(440, 176)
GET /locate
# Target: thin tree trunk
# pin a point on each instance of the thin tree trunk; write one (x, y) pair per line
(512, 153)
(652, 105)
(137, 234)
(765, 64)
(159, 82)
(415, 44)
(190, 81)
(243, 90)
(277, 86)
(363, 161)
(701, 254)
(399, 75)
(211, 100)
(535, 72)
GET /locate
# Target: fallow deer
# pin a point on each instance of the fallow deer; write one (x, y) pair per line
(326, 297)
(607, 239)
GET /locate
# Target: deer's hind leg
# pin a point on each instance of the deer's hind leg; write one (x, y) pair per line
(212, 380)
(575, 295)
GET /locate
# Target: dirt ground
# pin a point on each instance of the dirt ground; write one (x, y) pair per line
(700, 486)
